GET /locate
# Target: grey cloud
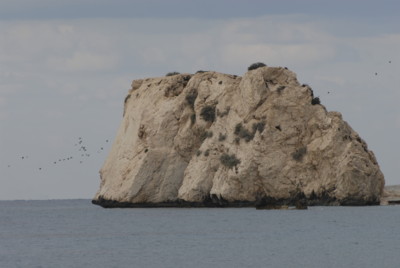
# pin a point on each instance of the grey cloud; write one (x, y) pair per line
(217, 9)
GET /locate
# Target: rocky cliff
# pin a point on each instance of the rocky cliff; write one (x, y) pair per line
(213, 139)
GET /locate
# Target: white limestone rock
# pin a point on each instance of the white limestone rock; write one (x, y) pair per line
(175, 130)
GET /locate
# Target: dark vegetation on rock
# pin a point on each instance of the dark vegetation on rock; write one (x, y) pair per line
(191, 97)
(299, 153)
(208, 113)
(315, 101)
(229, 160)
(256, 66)
(172, 73)
(205, 134)
(221, 137)
(259, 127)
(242, 133)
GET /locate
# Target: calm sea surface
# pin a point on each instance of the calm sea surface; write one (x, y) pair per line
(75, 233)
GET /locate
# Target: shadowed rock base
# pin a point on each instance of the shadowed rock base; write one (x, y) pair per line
(209, 203)
(299, 202)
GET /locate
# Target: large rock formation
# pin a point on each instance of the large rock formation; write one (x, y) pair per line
(213, 139)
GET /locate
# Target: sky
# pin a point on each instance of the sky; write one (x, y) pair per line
(66, 67)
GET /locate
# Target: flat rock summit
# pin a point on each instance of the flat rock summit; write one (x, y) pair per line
(218, 140)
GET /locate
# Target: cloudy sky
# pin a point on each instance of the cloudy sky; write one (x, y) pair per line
(66, 66)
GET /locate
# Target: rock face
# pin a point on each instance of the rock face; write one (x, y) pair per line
(213, 139)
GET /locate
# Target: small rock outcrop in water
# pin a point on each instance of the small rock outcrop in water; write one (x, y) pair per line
(391, 195)
(213, 139)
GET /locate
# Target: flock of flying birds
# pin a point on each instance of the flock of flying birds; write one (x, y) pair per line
(388, 62)
(81, 152)
(376, 73)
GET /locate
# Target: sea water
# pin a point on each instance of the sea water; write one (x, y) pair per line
(75, 233)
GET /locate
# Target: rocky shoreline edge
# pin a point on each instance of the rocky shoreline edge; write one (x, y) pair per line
(263, 203)
(391, 196)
